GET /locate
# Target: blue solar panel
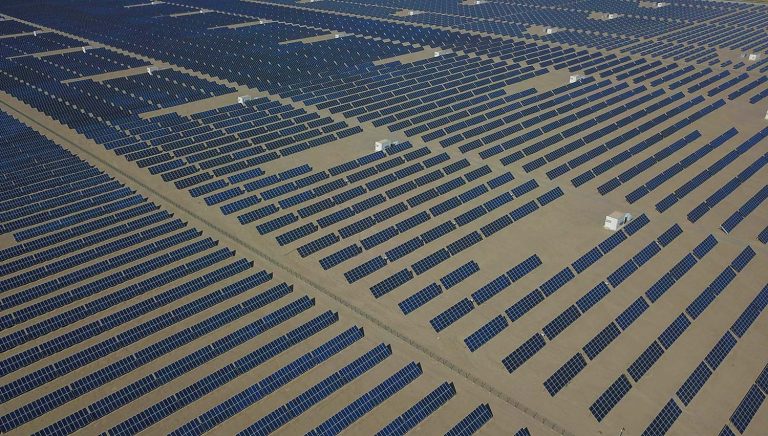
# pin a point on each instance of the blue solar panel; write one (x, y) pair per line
(520, 308)
(464, 242)
(561, 322)
(622, 273)
(490, 289)
(420, 298)
(592, 297)
(419, 411)
(674, 330)
(743, 259)
(557, 281)
(747, 409)
(523, 210)
(391, 283)
(660, 287)
(610, 398)
(520, 270)
(550, 196)
(631, 313)
(598, 343)
(664, 420)
(486, 333)
(636, 224)
(560, 378)
(472, 422)
(694, 383)
(365, 269)
(585, 261)
(452, 314)
(668, 236)
(458, 275)
(524, 352)
(612, 242)
(430, 261)
(645, 361)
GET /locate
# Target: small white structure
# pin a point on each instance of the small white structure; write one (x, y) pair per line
(766, 115)
(34, 33)
(616, 220)
(661, 4)
(383, 144)
(411, 13)
(611, 16)
(151, 69)
(753, 57)
(87, 47)
(576, 78)
(443, 52)
(243, 98)
(549, 30)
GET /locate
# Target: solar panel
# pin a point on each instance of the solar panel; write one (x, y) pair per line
(464, 242)
(645, 361)
(452, 314)
(366, 403)
(694, 383)
(668, 236)
(585, 261)
(486, 333)
(608, 399)
(550, 196)
(745, 320)
(674, 330)
(743, 259)
(524, 352)
(557, 281)
(557, 381)
(458, 275)
(391, 283)
(520, 270)
(631, 313)
(430, 261)
(635, 225)
(523, 210)
(664, 420)
(420, 298)
(747, 409)
(660, 287)
(472, 422)
(365, 269)
(622, 273)
(419, 411)
(601, 340)
(612, 242)
(588, 300)
(561, 322)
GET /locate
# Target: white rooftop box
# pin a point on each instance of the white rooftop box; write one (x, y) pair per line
(383, 144)
(576, 78)
(753, 57)
(617, 220)
(243, 98)
(442, 52)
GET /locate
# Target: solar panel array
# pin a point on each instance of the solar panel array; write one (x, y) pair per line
(463, 259)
